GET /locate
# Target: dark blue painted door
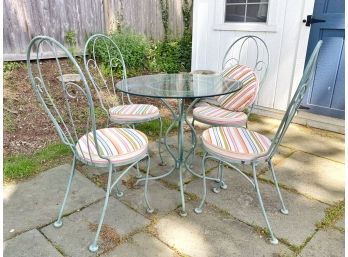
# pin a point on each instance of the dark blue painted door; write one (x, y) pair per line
(326, 96)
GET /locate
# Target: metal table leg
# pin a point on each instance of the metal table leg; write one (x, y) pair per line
(180, 161)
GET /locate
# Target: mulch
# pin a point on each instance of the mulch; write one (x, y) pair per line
(27, 127)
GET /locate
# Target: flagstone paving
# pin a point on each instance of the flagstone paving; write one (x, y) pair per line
(328, 243)
(36, 202)
(310, 168)
(31, 243)
(318, 177)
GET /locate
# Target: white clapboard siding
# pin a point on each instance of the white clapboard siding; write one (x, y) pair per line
(287, 46)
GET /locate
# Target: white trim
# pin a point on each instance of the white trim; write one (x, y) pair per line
(306, 119)
(301, 48)
(269, 26)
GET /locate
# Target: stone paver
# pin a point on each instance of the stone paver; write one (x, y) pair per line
(77, 231)
(30, 243)
(144, 245)
(317, 177)
(309, 160)
(36, 202)
(173, 179)
(212, 234)
(318, 142)
(325, 243)
(240, 201)
(340, 223)
(161, 198)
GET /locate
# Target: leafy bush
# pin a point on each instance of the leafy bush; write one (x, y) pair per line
(134, 48)
(70, 38)
(185, 50)
(167, 56)
(10, 66)
(174, 56)
(142, 55)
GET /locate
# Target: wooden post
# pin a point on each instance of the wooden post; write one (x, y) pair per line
(106, 10)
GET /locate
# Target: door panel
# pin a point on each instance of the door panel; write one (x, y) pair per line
(326, 96)
(326, 73)
(338, 97)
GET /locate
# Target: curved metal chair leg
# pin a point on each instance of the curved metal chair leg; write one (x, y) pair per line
(283, 210)
(149, 208)
(119, 193)
(138, 175)
(94, 246)
(199, 209)
(59, 222)
(273, 239)
(160, 141)
(216, 188)
(193, 142)
(222, 181)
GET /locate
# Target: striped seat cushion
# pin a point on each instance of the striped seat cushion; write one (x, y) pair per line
(218, 116)
(235, 143)
(246, 96)
(121, 145)
(134, 112)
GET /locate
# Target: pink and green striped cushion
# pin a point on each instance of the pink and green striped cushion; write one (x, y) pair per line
(134, 112)
(121, 145)
(218, 116)
(245, 97)
(235, 143)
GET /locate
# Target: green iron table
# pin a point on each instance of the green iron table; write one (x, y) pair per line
(181, 86)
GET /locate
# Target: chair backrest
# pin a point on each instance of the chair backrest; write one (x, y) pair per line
(305, 82)
(68, 104)
(246, 96)
(250, 51)
(104, 63)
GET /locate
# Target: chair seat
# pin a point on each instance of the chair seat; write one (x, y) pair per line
(120, 145)
(235, 143)
(133, 113)
(218, 116)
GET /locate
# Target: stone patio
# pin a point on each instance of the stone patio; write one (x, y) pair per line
(310, 168)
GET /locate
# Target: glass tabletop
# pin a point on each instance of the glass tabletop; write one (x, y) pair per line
(181, 85)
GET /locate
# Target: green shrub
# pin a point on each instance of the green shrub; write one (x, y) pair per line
(70, 38)
(142, 55)
(10, 66)
(174, 56)
(167, 56)
(185, 50)
(134, 48)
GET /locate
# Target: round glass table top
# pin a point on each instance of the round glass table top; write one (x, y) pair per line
(181, 85)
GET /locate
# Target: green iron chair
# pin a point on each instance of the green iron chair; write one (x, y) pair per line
(103, 78)
(70, 107)
(232, 145)
(247, 60)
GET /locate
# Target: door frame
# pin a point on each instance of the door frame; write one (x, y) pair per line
(308, 7)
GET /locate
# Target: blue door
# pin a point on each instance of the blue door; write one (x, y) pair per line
(326, 96)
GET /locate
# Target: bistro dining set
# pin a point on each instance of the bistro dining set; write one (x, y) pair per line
(224, 101)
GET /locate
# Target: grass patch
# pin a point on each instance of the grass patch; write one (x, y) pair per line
(152, 128)
(332, 215)
(24, 166)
